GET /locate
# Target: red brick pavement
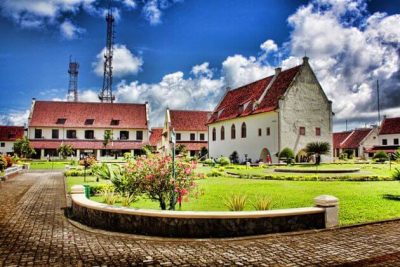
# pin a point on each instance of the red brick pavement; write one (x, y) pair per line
(34, 231)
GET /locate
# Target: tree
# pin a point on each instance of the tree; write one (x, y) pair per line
(65, 150)
(287, 155)
(23, 148)
(318, 149)
(203, 152)
(180, 149)
(234, 157)
(148, 150)
(107, 138)
(381, 156)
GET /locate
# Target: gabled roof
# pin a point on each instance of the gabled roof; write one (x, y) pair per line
(77, 114)
(86, 144)
(239, 102)
(350, 139)
(11, 133)
(390, 126)
(189, 120)
(156, 136)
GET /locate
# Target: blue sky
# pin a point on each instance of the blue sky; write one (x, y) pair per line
(183, 54)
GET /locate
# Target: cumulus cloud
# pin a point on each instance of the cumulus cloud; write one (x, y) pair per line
(69, 30)
(17, 118)
(152, 9)
(124, 62)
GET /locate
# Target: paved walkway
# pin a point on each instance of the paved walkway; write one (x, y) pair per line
(34, 231)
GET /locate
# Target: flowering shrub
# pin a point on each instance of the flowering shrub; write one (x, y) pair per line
(89, 161)
(9, 161)
(3, 163)
(154, 177)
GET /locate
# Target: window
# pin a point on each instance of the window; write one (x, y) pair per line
(233, 131)
(61, 121)
(178, 136)
(124, 135)
(222, 133)
(302, 131)
(244, 130)
(89, 134)
(2, 144)
(214, 134)
(139, 135)
(54, 134)
(114, 122)
(318, 131)
(396, 141)
(71, 134)
(259, 132)
(384, 142)
(192, 137)
(202, 137)
(89, 121)
(38, 133)
(268, 131)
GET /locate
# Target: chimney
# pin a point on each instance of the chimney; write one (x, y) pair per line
(278, 70)
(305, 60)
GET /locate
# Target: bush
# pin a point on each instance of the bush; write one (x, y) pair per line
(9, 161)
(349, 153)
(3, 163)
(287, 155)
(223, 161)
(343, 156)
(381, 156)
(396, 174)
(89, 161)
(110, 197)
(98, 188)
(214, 173)
(234, 157)
(127, 156)
(127, 199)
(15, 159)
(262, 203)
(236, 202)
(75, 173)
(209, 162)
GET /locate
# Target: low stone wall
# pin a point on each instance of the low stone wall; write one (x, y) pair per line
(12, 171)
(352, 170)
(196, 224)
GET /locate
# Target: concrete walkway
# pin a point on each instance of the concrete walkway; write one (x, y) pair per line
(34, 231)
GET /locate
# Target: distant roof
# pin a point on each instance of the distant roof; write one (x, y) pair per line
(189, 120)
(11, 133)
(80, 114)
(77, 144)
(156, 136)
(350, 139)
(239, 102)
(390, 126)
(193, 146)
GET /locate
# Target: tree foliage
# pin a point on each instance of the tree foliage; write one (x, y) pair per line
(381, 156)
(23, 148)
(286, 155)
(318, 149)
(65, 150)
(108, 136)
(181, 149)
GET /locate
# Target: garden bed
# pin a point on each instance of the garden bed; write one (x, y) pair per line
(316, 170)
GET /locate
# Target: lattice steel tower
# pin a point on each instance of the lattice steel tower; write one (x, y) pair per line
(106, 93)
(73, 81)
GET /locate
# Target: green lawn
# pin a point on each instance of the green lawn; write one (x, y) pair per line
(79, 180)
(359, 201)
(47, 165)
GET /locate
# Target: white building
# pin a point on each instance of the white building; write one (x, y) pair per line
(356, 142)
(388, 138)
(287, 109)
(83, 126)
(190, 129)
(8, 136)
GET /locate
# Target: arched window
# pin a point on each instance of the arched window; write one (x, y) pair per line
(244, 131)
(233, 132)
(214, 134)
(222, 133)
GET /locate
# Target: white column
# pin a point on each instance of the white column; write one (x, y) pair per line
(78, 153)
(98, 154)
(133, 153)
(42, 155)
(331, 206)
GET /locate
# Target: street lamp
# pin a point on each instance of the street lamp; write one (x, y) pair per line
(173, 141)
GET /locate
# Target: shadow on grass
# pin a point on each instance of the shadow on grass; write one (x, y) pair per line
(391, 197)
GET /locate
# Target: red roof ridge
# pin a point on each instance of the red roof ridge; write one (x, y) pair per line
(88, 102)
(190, 110)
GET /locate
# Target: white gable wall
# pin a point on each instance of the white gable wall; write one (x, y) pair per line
(305, 105)
(253, 144)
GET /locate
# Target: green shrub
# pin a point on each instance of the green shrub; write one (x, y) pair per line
(109, 195)
(97, 188)
(3, 163)
(214, 173)
(127, 199)
(381, 156)
(287, 155)
(76, 172)
(209, 162)
(223, 161)
(396, 174)
(127, 156)
(236, 202)
(343, 156)
(262, 203)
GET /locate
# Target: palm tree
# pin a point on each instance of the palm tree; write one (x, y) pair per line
(318, 149)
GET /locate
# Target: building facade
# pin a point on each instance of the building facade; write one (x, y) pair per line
(8, 136)
(84, 126)
(356, 142)
(388, 138)
(190, 130)
(287, 109)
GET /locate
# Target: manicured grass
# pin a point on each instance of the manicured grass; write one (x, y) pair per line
(47, 165)
(79, 180)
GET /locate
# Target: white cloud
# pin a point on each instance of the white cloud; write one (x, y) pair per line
(269, 46)
(152, 13)
(18, 118)
(70, 31)
(129, 4)
(124, 62)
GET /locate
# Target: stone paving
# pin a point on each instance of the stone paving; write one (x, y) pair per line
(34, 231)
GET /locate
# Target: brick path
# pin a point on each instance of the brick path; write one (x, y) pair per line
(34, 231)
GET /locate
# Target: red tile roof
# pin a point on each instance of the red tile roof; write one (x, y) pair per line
(189, 120)
(387, 149)
(46, 114)
(390, 126)
(193, 146)
(244, 97)
(54, 144)
(11, 133)
(350, 139)
(156, 136)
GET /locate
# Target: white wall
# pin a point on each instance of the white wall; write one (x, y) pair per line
(8, 147)
(305, 105)
(390, 139)
(80, 133)
(253, 144)
(185, 135)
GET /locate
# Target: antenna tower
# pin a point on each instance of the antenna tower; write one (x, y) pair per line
(73, 81)
(106, 93)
